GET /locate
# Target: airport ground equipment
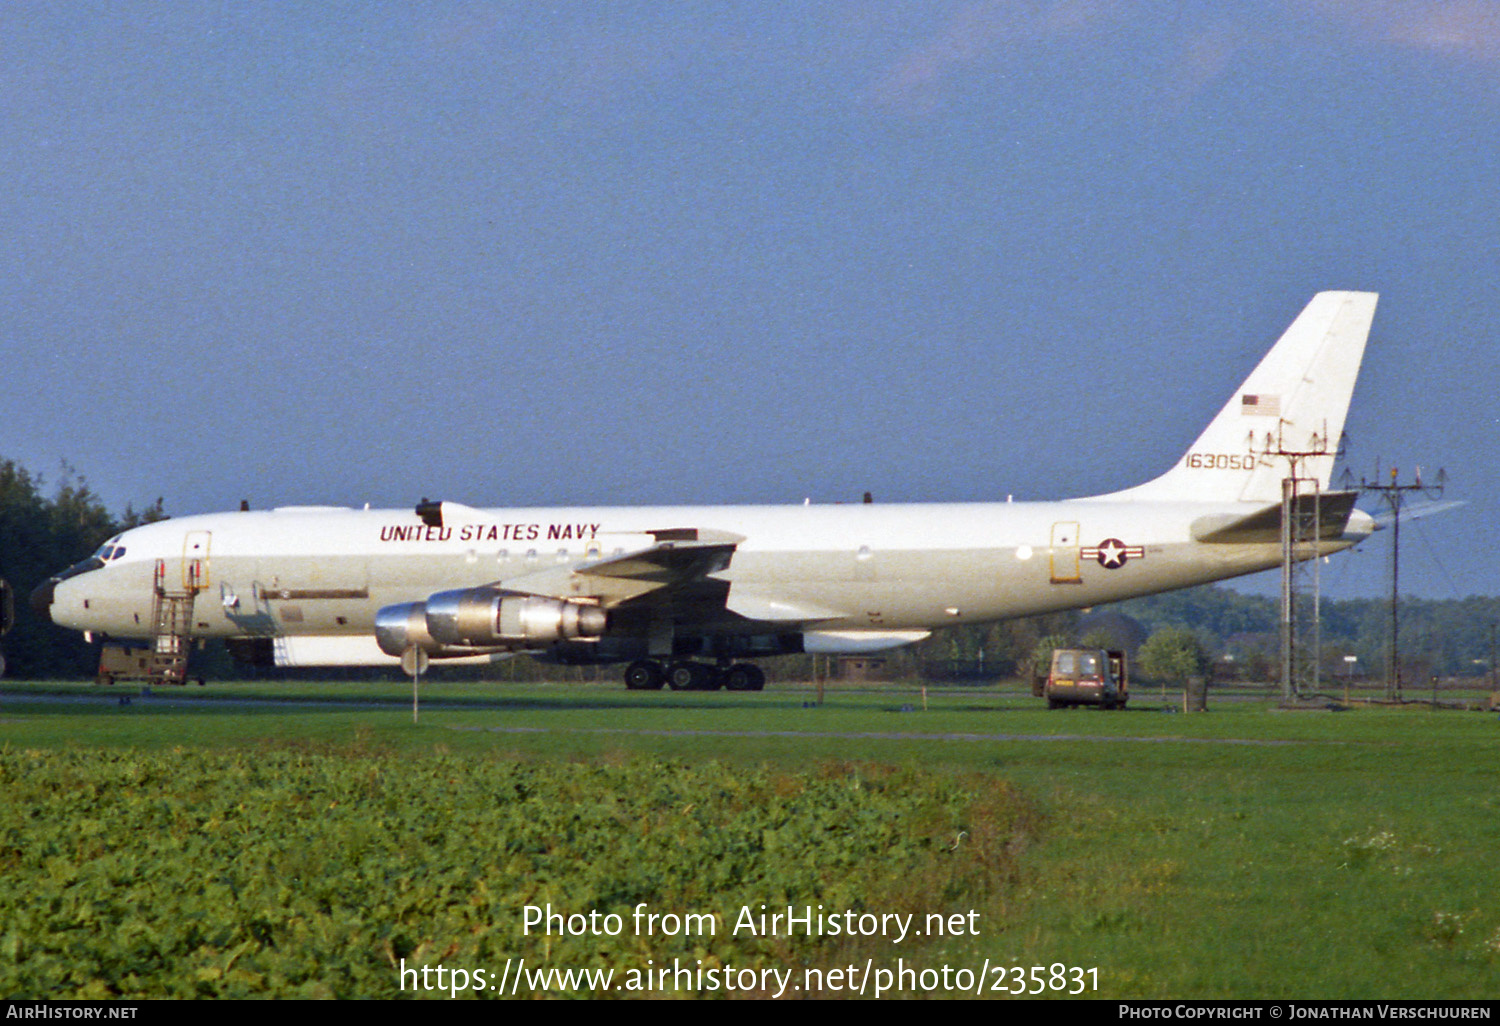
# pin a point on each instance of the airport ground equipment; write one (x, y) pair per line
(1087, 676)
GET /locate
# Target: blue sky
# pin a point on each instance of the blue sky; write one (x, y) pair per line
(515, 254)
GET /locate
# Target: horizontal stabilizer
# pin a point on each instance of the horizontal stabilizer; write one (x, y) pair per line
(1417, 512)
(1332, 509)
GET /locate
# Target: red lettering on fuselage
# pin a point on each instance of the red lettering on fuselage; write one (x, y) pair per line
(488, 532)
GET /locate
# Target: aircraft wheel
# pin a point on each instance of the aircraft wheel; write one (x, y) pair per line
(692, 677)
(683, 676)
(644, 675)
(744, 677)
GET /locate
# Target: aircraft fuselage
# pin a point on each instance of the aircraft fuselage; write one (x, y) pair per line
(857, 567)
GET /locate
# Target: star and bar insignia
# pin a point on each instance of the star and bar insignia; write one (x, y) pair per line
(1113, 553)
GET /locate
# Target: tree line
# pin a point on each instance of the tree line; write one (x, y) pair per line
(1238, 634)
(42, 532)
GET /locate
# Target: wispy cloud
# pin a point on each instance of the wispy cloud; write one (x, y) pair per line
(976, 32)
(1204, 56)
(1468, 29)
(982, 33)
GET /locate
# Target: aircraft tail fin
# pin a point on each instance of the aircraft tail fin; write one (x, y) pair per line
(1294, 402)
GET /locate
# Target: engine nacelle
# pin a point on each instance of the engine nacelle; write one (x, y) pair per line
(486, 617)
(403, 626)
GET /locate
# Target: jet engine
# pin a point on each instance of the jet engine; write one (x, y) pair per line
(403, 626)
(485, 618)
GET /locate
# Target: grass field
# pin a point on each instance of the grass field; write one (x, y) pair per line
(1245, 852)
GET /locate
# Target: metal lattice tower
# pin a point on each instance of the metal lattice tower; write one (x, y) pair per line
(1301, 587)
(1301, 582)
(1394, 496)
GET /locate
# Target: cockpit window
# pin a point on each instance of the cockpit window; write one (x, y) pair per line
(103, 555)
(94, 562)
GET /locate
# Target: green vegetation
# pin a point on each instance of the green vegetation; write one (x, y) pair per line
(1172, 655)
(294, 872)
(1447, 637)
(38, 537)
(225, 848)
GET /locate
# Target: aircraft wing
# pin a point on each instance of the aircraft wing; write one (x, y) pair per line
(672, 559)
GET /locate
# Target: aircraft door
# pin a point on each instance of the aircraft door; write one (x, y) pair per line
(1064, 556)
(195, 560)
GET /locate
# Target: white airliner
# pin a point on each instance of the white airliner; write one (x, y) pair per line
(686, 594)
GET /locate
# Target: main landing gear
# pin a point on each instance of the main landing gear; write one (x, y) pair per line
(650, 675)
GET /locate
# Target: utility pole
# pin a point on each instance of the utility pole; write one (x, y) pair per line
(1394, 496)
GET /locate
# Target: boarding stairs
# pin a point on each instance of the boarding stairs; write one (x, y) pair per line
(172, 621)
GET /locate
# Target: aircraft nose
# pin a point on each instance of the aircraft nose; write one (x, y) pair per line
(41, 598)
